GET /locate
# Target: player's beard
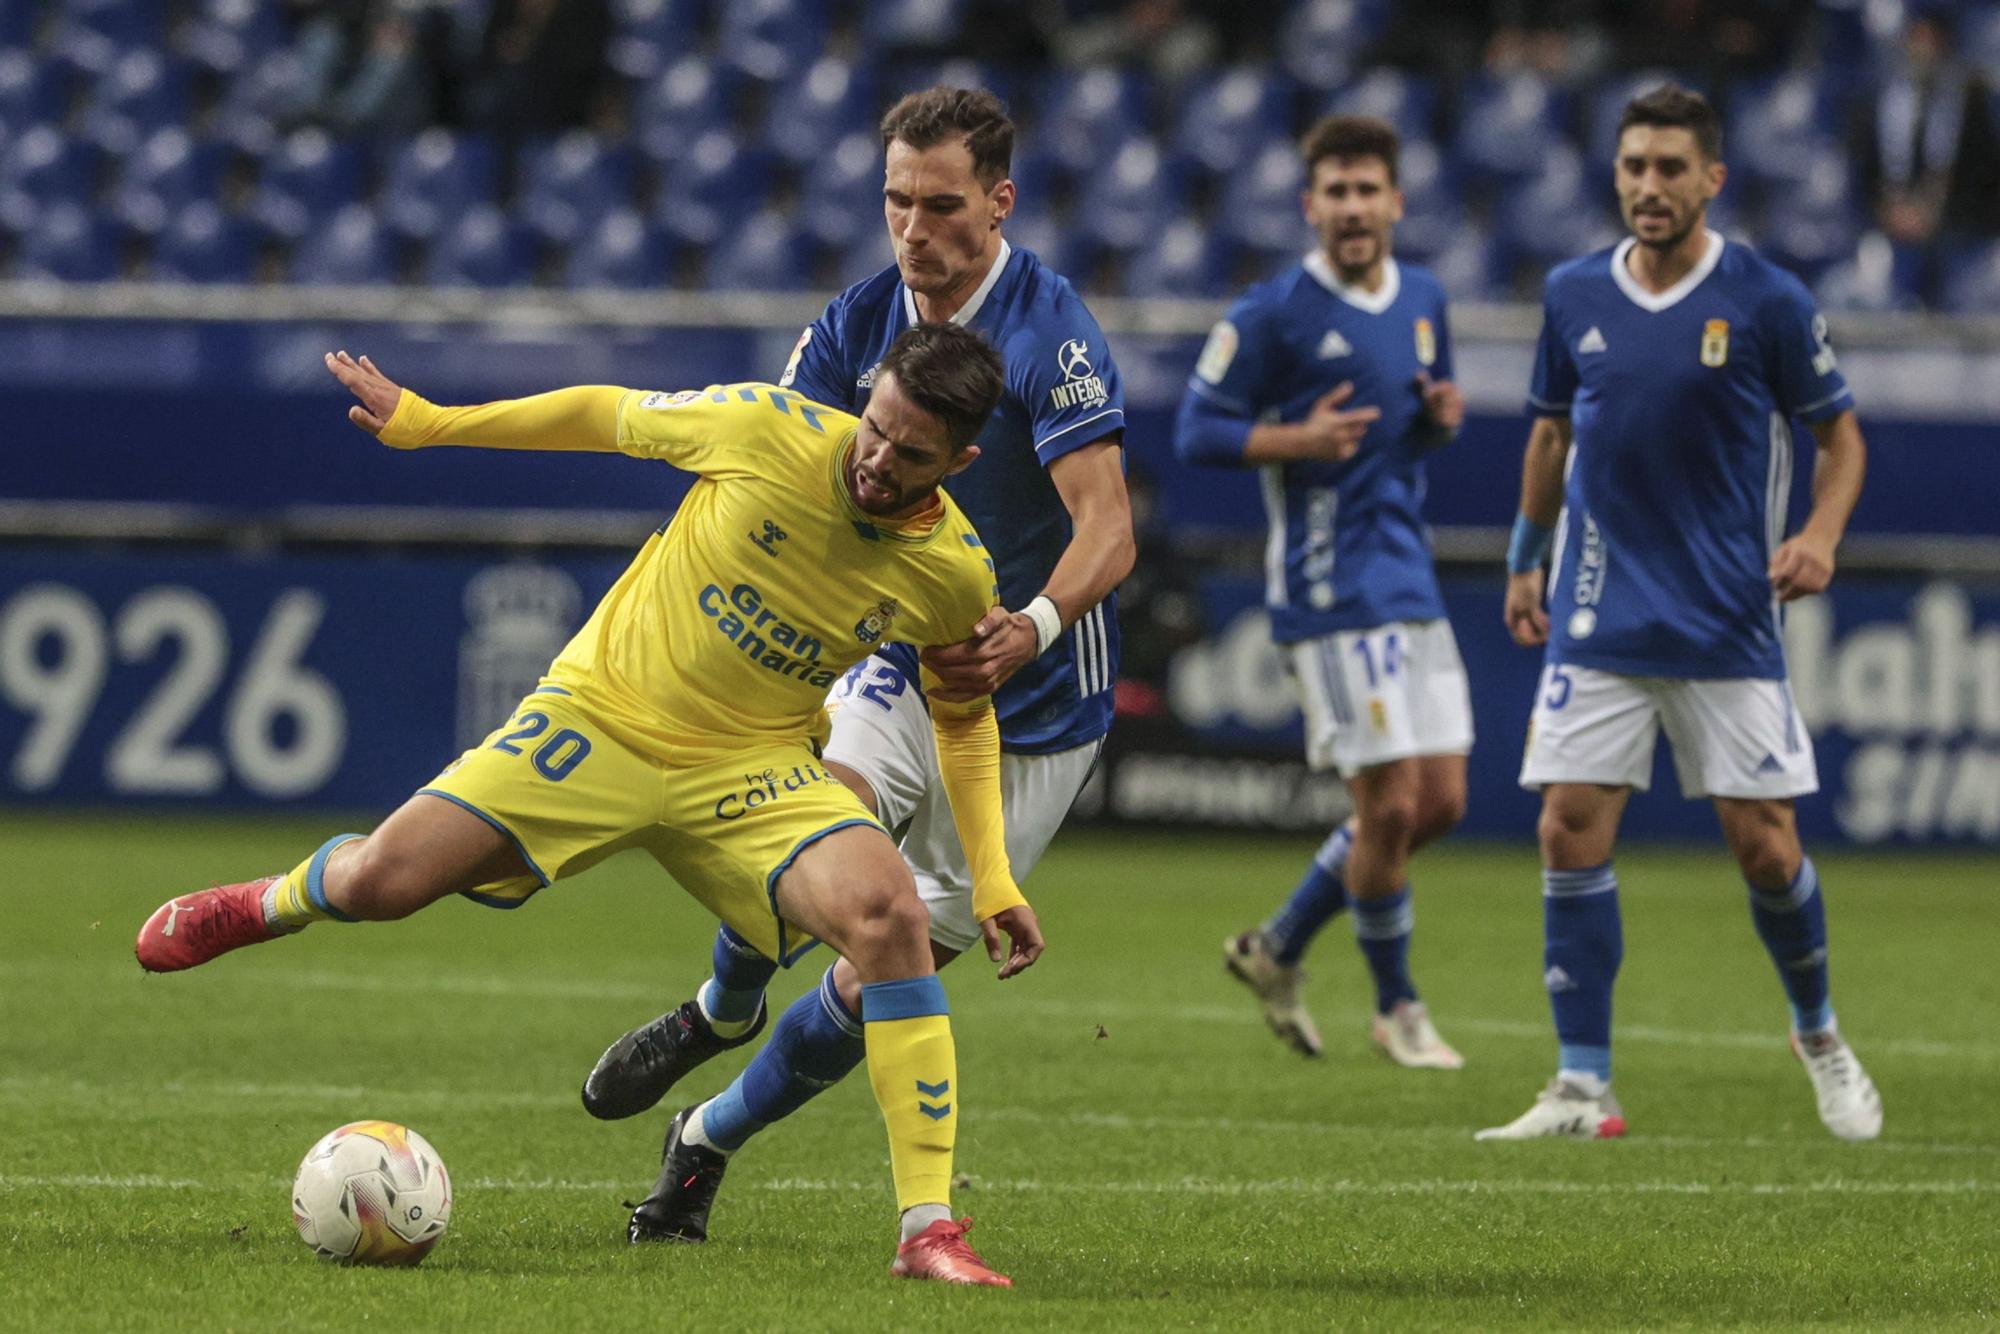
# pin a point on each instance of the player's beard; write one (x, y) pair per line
(1680, 232)
(1335, 242)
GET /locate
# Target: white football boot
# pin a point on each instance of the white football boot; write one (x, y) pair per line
(1848, 1102)
(1409, 1039)
(1276, 985)
(1564, 1111)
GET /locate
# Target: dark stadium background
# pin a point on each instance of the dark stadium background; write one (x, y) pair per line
(214, 592)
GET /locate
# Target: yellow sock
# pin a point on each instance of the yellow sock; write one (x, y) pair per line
(913, 1066)
(299, 900)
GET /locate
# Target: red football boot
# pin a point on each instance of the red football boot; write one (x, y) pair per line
(194, 928)
(940, 1252)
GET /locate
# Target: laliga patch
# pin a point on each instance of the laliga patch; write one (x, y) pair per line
(1823, 360)
(792, 366)
(1715, 343)
(673, 400)
(1427, 342)
(1217, 353)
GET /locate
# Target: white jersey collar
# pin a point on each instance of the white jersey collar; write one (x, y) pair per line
(976, 300)
(1374, 302)
(1659, 301)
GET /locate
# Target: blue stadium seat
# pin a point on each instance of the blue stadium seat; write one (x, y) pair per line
(1323, 40)
(648, 34)
(350, 246)
(716, 183)
(1606, 107)
(435, 176)
(1260, 201)
(484, 248)
(310, 175)
(771, 41)
(912, 76)
(1068, 250)
(1432, 208)
(834, 99)
(204, 244)
(43, 168)
(1555, 214)
(1970, 284)
(18, 20)
(1813, 223)
(142, 91)
(767, 253)
(1186, 259)
(624, 251)
(225, 35)
(685, 101)
(33, 91)
(124, 23)
(889, 24)
(1780, 125)
(1466, 266)
(1880, 276)
(70, 243)
(1507, 126)
(570, 183)
(1406, 101)
(1085, 115)
(870, 253)
(843, 192)
(1131, 198)
(1232, 113)
(257, 95)
(170, 170)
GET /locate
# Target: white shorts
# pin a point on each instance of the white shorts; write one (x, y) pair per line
(1733, 738)
(1372, 696)
(882, 730)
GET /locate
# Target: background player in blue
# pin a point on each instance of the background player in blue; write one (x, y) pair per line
(1048, 496)
(1667, 372)
(1334, 379)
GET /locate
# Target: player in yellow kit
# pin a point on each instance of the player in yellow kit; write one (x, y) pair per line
(685, 716)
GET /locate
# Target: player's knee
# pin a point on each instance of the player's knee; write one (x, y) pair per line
(1769, 859)
(1391, 820)
(1566, 832)
(1442, 810)
(888, 919)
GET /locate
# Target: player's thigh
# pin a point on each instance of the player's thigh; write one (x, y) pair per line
(1036, 793)
(1355, 691)
(882, 732)
(1441, 789)
(851, 889)
(1591, 727)
(1386, 795)
(555, 788)
(428, 847)
(1738, 738)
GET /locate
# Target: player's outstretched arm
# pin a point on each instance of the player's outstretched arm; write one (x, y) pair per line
(1541, 502)
(584, 418)
(968, 750)
(1804, 564)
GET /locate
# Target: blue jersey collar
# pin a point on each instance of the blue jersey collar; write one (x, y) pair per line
(976, 300)
(1659, 301)
(1374, 302)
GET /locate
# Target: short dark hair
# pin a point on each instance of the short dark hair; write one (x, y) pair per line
(1675, 107)
(1349, 137)
(950, 372)
(941, 114)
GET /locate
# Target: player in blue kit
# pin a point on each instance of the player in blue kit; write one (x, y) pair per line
(1668, 370)
(1048, 495)
(1334, 380)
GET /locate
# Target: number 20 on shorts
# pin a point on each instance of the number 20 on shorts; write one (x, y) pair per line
(556, 758)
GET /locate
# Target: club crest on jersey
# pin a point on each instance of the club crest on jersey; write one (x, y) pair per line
(1427, 343)
(792, 366)
(1081, 386)
(673, 400)
(872, 626)
(1715, 343)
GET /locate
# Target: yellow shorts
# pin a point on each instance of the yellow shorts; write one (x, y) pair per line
(724, 823)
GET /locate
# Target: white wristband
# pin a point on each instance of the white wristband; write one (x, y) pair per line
(1048, 622)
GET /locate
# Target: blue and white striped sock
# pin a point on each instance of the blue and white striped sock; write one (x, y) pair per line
(1382, 929)
(813, 1046)
(1792, 924)
(1319, 897)
(1583, 944)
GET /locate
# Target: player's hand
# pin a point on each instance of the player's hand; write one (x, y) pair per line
(1527, 620)
(1444, 406)
(1801, 567)
(1336, 435)
(1001, 644)
(1013, 939)
(377, 392)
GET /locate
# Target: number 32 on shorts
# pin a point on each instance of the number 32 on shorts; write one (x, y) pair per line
(557, 757)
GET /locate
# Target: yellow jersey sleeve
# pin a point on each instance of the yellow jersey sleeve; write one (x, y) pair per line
(583, 418)
(739, 430)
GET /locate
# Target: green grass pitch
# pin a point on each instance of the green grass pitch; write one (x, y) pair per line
(1138, 1151)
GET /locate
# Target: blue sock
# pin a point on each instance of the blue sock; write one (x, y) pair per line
(1792, 923)
(1319, 896)
(1382, 929)
(1583, 943)
(735, 991)
(815, 1043)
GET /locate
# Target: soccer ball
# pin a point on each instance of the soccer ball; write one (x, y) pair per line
(372, 1193)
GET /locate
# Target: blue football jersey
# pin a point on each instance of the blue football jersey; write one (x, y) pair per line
(1348, 548)
(1062, 393)
(1679, 479)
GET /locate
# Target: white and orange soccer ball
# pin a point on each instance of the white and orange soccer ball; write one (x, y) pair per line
(372, 1193)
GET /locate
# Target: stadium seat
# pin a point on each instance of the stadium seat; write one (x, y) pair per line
(623, 251)
(568, 184)
(771, 41)
(1466, 267)
(484, 248)
(1185, 259)
(225, 35)
(142, 91)
(1507, 126)
(1067, 250)
(836, 98)
(1814, 223)
(124, 23)
(434, 177)
(170, 170)
(1131, 198)
(204, 244)
(912, 76)
(257, 95)
(310, 175)
(1086, 115)
(69, 243)
(1230, 114)
(18, 21)
(843, 192)
(1606, 105)
(717, 182)
(887, 25)
(1553, 215)
(685, 101)
(1880, 276)
(648, 34)
(766, 253)
(1260, 201)
(33, 91)
(871, 253)
(43, 168)
(1970, 282)
(1432, 208)
(349, 247)
(1323, 40)
(1406, 101)
(1779, 126)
